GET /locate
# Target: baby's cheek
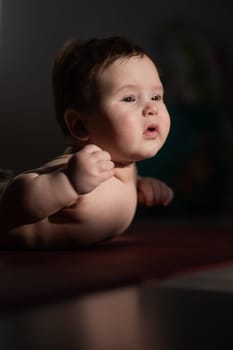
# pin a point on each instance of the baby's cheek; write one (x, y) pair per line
(167, 125)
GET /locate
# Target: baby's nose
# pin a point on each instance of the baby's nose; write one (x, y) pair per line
(150, 108)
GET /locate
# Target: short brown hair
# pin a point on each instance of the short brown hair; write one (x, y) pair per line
(75, 68)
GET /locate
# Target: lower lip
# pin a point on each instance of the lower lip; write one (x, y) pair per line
(151, 133)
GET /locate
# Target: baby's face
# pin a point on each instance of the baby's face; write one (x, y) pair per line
(131, 120)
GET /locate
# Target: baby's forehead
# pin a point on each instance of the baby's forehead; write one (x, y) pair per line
(130, 70)
(133, 66)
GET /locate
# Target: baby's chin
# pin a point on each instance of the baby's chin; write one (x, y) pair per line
(142, 156)
(147, 155)
(133, 157)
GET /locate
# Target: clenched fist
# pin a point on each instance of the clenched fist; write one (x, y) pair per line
(88, 168)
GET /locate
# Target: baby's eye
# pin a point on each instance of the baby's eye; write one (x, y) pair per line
(128, 99)
(156, 98)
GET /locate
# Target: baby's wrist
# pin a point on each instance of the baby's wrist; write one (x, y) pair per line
(70, 194)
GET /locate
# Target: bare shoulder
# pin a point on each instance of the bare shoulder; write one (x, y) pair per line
(53, 165)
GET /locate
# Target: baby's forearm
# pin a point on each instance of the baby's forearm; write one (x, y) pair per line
(36, 196)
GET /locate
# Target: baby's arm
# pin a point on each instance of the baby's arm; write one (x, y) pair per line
(32, 196)
(152, 192)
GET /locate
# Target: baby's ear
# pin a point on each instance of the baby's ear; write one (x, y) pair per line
(75, 125)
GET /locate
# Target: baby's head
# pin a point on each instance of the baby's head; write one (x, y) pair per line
(108, 92)
(76, 67)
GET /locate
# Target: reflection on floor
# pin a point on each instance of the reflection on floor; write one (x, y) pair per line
(188, 313)
(213, 279)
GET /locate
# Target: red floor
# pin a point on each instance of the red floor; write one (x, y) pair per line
(149, 250)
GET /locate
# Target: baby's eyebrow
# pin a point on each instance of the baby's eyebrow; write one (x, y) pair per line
(158, 88)
(134, 86)
(126, 86)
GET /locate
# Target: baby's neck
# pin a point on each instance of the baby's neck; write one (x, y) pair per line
(72, 149)
(121, 165)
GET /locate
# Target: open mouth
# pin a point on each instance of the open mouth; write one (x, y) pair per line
(151, 131)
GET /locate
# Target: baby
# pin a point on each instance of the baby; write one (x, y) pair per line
(109, 103)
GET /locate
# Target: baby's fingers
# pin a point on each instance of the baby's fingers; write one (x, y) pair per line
(105, 175)
(96, 152)
(91, 149)
(105, 165)
(162, 193)
(154, 192)
(167, 196)
(145, 193)
(106, 170)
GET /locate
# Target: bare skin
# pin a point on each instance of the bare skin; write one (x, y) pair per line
(91, 192)
(95, 217)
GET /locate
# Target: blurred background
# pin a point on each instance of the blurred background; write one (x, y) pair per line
(191, 41)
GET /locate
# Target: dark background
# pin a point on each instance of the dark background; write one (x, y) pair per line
(191, 41)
